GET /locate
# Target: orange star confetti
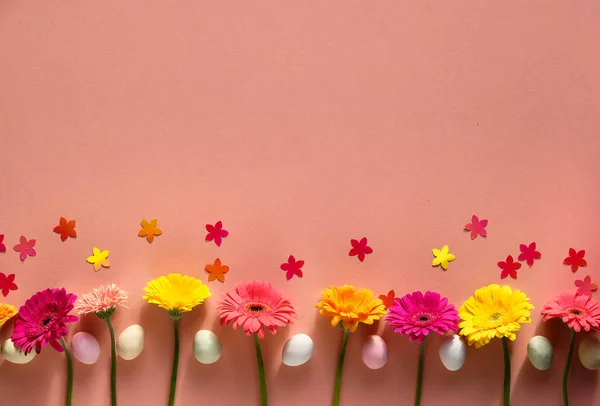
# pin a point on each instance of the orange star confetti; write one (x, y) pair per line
(66, 229)
(99, 259)
(149, 230)
(216, 271)
(388, 300)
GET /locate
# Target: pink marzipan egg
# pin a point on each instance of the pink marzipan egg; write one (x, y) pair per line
(374, 352)
(85, 348)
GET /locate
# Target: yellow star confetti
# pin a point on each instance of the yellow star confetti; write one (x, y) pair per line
(149, 230)
(99, 259)
(442, 257)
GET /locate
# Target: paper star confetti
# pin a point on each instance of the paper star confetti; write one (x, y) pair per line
(509, 267)
(529, 253)
(442, 257)
(2, 246)
(99, 259)
(149, 230)
(477, 227)
(25, 248)
(65, 228)
(388, 300)
(216, 271)
(216, 233)
(7, 283)
(575, 259)
(360, 249)
(586, 286)
(292, 267)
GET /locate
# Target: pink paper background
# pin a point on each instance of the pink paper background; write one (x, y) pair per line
(300, 125)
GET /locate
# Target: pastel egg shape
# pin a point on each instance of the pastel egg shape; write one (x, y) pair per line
(207, 347)
(589, 351)
(540, 352)
(374, 352)
(453, 352)
(131, 342)
(85, 348)
(12, 354)
(298, 349)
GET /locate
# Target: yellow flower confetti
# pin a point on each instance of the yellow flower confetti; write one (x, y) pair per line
(149, 230)
(99, 259)
(442, 257)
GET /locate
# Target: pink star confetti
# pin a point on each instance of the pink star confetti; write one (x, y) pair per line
(477, 227)
(25, 248)
(2, 246)
(360, 249)
(586, 286)
(528, 253)
(292, 267)
(575, 259)
(216, 233)
(7, 283)
(509, 267)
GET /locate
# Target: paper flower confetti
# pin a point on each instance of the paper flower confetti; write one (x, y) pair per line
(216, 233)
(529, 253)
(575, 259)
(442, 257)
(586, 286)
(7, 283)
(99, 259)
(388, 300)
(149, 230)
(25, 248)
(509, 267)
(360, 249)
(477, 227)
(292, 267)
(216, 271)
(2, 246)
(66, 229)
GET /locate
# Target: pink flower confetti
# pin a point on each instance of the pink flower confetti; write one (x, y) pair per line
(477, 227)
(360, 249)
(528, 253)
(2, 246)
(586, 286)
(292, 267)
(25, 248)
(509, 267)
(7, 283)
(216, 233)
(575, 259)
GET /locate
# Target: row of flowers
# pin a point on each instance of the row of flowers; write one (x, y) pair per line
(492, 312)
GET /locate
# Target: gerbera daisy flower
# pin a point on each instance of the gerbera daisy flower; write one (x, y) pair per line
(579, 312)
(176, 293)
(254, 306)
(7, 312)
(102, 301)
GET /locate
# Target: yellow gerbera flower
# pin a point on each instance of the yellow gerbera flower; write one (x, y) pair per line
(493, 311)
(7, 312)
(350, 307)
(176, 293)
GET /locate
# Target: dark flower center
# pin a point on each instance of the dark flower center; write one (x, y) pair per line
(46, 321)
(423, 318)
(575, 312)
(256, 308)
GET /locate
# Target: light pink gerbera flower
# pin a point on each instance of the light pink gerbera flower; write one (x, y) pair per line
(254, 306)
(417, 315)
(102, 300)
(576, 311)
(42, 320)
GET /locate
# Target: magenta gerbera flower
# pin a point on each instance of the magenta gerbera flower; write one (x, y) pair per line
(416, 315)
(42, 320)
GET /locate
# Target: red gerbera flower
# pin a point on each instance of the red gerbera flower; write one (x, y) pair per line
(360, 249)
(509, 267)
(575, 259)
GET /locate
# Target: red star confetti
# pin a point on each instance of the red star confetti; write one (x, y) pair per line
(216, 233)
(575, 259)
(2, 246)
(509, 267)
(477, 227)
(586, 286)
(360, 249)
(25, 248)
(292, 267)
(528, 253)
(388, 300)
(7, 283)
(66, 229)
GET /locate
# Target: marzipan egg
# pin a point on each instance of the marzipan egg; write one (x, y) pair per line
(85, 348)
(297, 350)
(207, 347)
(131, 342)
(453, 352)
(540, 352)
(589, 351)
(11, 354)
(374, 352)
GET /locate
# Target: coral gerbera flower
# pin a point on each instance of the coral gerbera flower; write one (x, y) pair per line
(176, 293)
(417, 315)
(102, 301)
(7, 312)
(42, 320)
(576, 311)
(350, 307)
(254, 306)
(493, 311)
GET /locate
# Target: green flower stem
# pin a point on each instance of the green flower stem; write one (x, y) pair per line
(113, 364)
(420, 373)
(340, 368)
(567, 368)
(69, 372)
(506, 372)
(264, 399)
(175, 362)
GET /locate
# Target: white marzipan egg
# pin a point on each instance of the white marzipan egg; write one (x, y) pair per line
(85, 348)
(540, 352)
(374, 352)
(453, 352)
(11, 354)
(589, 351)
(297, 350)
(207, 347)
(131, 342)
